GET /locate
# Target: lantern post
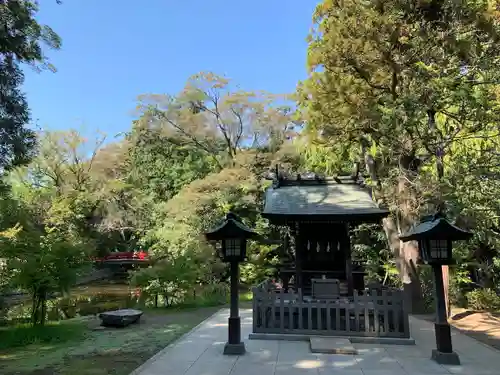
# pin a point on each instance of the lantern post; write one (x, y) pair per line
(435, 236)
(231, 237)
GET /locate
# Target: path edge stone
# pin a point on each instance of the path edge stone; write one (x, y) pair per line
(155, 357)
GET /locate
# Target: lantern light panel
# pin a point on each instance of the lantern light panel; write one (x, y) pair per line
(439, 249)
(232, 247)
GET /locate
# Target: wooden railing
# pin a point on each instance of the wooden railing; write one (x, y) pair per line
(369, 313)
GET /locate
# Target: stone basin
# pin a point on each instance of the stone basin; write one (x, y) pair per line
(120, 318)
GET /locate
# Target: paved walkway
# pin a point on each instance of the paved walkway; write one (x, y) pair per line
(200, 353)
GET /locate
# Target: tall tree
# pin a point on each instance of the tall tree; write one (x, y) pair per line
(402, 82)
(21, 40)
(71, 184)
(161, 164)
(217, 119)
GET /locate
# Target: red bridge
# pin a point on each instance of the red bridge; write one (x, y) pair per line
(124, 257)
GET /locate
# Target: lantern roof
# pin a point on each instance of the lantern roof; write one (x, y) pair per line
(435, 227)
(231, 227)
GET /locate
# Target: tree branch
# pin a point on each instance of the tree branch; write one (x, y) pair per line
(191, 137)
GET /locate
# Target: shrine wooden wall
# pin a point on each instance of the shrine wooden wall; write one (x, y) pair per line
(322, 246)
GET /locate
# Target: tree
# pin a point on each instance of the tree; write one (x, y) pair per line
(473, 185)
(71, 183)
(209, 115)
(179, 223)
(401, 87)
(40, 259)
(65, 161)
(58, 183)
(173, 278)
(21, 40)
(160, 165)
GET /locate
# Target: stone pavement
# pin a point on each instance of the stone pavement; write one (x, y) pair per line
(200, 353)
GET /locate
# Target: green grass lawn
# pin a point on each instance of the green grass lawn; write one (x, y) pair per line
(80, 347)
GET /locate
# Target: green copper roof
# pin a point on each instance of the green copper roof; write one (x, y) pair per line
(232, 226)
(437, 227)
(329, 198)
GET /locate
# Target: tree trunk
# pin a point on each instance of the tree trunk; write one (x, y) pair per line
(440, 173)
(409, 250)
(34, 308)
(43, 307)
(406, 256)
(39, 307)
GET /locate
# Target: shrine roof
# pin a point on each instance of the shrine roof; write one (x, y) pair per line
(335, 199)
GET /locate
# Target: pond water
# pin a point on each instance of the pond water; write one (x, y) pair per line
(107, 295)
(83, 300)
(106, 287)
(93, 299)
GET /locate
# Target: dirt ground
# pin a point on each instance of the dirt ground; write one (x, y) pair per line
(483, 326)
(104, 351)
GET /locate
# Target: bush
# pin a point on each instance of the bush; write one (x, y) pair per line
(426, 278)
(460, 284)
(483, 299)
(172, 279)
(215, 294)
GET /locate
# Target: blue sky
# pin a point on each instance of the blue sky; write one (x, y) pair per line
(115, 50)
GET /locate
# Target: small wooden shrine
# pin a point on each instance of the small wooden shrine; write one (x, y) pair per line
(319, 213)
(328, 296)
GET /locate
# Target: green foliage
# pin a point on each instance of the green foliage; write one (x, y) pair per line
(163, 186)
(246, 297)
(214, 117)
(213, 294)
(172, 278)
(41, 263)
(326, 159)
(176, 236)
(21, 41)
(369, 246)
(199, 206)
(23, 335)
(483, 299)
(70, 306)
(384, 96)
(459, 284)
(426, 279)
(162, 165)
(472, 190)
(48, 261)
(259, 265)
(378, 80)
(41, 246)
(392, 92)
(176, 284)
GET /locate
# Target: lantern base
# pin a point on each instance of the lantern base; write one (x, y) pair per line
(445, 358)
(234, 349)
